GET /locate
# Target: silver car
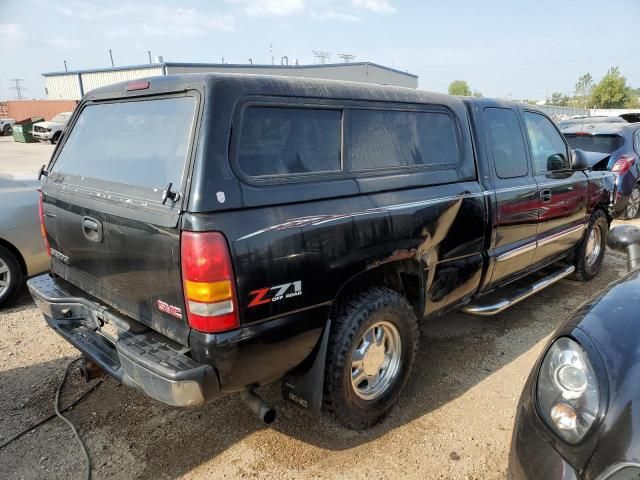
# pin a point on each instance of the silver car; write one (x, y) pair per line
(22, 248)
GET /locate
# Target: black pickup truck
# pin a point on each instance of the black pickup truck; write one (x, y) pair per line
(213, 233)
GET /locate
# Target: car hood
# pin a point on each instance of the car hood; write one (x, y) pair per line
(611, 320)
(48, 124)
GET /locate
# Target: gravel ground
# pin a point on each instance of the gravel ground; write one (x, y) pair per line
(453, 421)
(23, 159)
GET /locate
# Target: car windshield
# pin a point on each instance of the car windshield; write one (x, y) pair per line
(595, 143)
(61, 118)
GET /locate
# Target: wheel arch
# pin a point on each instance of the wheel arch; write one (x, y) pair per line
(16, 253)
(406, 276)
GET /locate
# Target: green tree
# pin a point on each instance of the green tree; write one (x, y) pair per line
(477, 94)
(612, 91)
(558, 99)
(459, 87)
(583, 90)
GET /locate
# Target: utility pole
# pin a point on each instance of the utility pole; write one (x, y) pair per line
(321, 57)
(348, 58)
(149, 53)
(18, 87)
(111, 57)
(65, 66)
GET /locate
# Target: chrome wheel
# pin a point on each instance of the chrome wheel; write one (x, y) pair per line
(375, 362)
(634, 203)
(594, 246)
(5, 278)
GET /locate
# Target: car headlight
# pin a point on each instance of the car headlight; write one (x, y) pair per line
(567, 391)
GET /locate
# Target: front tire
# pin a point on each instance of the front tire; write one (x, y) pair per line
(11, 276)
(7, 130)
(55, 138)
(593, 247)
(372, 348)
(633, 204)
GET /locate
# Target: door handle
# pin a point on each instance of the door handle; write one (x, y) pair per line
(92, 229)
(545, 195)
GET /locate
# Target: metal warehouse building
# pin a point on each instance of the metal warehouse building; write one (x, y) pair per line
(72, 85)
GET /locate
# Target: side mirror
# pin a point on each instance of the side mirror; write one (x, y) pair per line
(626, 239)
(557, 161)
(579, 160)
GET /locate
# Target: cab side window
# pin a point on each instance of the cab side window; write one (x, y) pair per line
(636, 141)
(507, 143)
(547, 146)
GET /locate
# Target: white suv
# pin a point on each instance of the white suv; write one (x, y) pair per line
(51, 130)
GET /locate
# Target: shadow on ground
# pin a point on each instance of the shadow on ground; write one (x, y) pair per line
(129, 435)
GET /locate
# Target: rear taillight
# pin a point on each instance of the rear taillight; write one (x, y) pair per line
(209, 288)
(623, 164)
(43, 228)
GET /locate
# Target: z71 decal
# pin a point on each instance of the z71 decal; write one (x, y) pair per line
(276, 293)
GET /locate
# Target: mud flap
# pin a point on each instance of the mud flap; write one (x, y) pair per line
(304, 387)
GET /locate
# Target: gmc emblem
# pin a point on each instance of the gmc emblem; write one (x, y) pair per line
(170, 309)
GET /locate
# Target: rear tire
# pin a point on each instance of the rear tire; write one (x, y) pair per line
(371, 351)
(593, 247)
(633, 204)
(11, 276)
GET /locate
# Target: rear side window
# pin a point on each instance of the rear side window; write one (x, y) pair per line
(387, 139)
(595, 143)
(140, 143)
(285, 141)
(507, 143)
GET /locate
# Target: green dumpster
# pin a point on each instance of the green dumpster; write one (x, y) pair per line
(22, 130)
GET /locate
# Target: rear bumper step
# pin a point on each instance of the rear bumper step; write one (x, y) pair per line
(137, 357)
(495, 307)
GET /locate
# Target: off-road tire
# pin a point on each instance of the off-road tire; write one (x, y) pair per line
(585, 271)
(352, 319)
(17, 278)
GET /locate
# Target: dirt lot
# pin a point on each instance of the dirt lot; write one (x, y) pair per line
(23, 158)
(454, 420)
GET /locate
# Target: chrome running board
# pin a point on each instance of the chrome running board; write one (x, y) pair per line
(494, 308)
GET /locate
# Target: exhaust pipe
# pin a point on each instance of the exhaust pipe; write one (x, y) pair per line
(257, 406)
(90, 370)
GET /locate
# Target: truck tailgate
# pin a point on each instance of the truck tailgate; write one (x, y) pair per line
(111, 232)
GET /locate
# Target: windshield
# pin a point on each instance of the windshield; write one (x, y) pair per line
(141, 143)
(595, 143)
(61, 118)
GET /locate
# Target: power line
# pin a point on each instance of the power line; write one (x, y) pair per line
(18, 87)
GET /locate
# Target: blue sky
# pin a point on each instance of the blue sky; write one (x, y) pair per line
(502, 48)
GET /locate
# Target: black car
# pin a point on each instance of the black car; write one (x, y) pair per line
(579, 414)
(213, 233)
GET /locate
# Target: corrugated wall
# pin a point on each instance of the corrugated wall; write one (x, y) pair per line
(67, 86)
(354, 73)
(22, 109)
(63, 87)
(94, 80)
